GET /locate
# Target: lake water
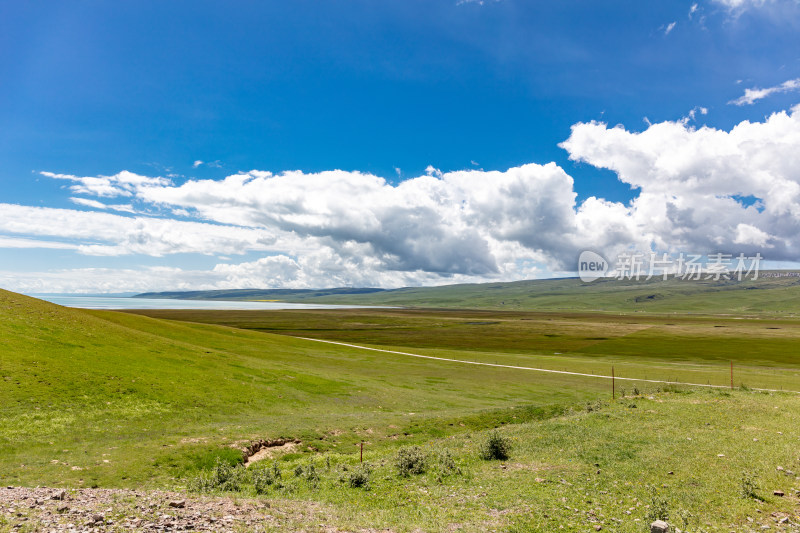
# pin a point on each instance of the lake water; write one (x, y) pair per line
(119, 302)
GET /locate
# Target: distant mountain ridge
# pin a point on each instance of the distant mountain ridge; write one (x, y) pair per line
(772, 292)
(255, 294)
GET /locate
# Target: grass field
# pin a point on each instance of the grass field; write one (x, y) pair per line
(99, 398)
(678, 348)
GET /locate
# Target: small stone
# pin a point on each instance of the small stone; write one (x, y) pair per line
(59, 495)
(62, 508)
(720, 455)
(598, 527)
(539, 480)
(179, 504)
(778, 493)
(659, 526)
(670, 473)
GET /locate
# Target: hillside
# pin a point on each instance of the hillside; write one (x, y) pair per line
(106, 399)
(779, 295)
(143, 393)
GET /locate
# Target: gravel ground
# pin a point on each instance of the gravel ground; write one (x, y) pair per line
(95, 510)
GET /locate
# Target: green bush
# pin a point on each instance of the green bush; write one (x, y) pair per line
(307, 472)
(659, 508)
(222, 477)
(359, 478)
(748, 487)
(411, 460)
(264, 478)
(445, 465)
(496, 447)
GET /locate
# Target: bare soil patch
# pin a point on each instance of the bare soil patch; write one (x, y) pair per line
(267, 449)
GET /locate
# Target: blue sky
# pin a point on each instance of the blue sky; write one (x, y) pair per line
(194, 92)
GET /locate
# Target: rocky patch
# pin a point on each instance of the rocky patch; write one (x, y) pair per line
(100, 510)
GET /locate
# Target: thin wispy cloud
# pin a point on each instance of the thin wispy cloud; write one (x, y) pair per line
(211, 164)
(775, 9)
(755, 94)
(669, 28)
(20, 242)
(121, 184)
(691, 116)
(740, 5)
(476, 2)
(86, 202)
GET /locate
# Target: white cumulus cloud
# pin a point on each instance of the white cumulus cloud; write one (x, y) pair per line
(696, 189)
(706, 189)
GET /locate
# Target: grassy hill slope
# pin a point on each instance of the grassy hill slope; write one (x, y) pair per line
(156, 398)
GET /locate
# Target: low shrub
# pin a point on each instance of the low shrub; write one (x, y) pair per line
(411, 460)
(748, 487)
(659, 508)
(495, 447)
(222, 477)
(445, 465)
(307, 472)
(264, 478)
(359, 478)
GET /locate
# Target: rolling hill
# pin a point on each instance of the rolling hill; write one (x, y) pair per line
(155, 398)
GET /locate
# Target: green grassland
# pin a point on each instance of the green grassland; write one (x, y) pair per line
(765, 351)
(765, 295)
(110, 399)
(140, 393)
